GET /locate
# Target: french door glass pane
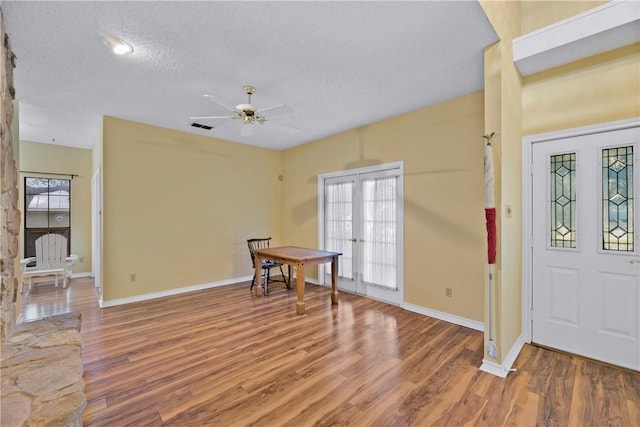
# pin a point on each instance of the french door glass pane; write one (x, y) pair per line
(339, 224)
(379, 231)
(563, 200)
(617, 199)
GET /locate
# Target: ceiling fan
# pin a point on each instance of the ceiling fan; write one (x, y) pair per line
(249, 115)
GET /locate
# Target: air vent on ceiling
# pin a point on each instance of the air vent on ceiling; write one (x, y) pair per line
(198, 125)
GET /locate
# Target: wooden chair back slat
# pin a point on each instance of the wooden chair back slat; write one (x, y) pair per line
(261, 243)
(51, 251)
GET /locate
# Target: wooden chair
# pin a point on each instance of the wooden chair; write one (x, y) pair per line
(263, 243)
(51, 260)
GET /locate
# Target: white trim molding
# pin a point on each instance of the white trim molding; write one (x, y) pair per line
(171, 292)
(501, 370)
(451, 318)
(607, 27)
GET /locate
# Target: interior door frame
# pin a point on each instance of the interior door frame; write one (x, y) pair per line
(399, 166)
(528, 143)
(96, 229)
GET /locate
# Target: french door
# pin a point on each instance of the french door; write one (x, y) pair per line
(362, 213)
(586, 255)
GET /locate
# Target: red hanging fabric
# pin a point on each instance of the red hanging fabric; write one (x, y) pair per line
(490, 216)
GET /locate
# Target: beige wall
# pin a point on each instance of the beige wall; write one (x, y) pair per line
(594, 90)
(503, 115)
(538, 13)
(96, 163)
(441, 147)
(178, 207)
(598, 89)
(64, 160)
(442, 150)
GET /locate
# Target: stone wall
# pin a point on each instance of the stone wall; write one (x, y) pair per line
(41, 381)
(9, 213)
(41, 362)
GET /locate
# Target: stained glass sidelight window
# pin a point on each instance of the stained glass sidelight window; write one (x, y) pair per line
(563, 200)
(617, 199)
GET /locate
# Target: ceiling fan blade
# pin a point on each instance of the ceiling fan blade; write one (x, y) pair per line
(276, 110)
(289, 129)
(246, 129)
(212, 117)
(216, 101)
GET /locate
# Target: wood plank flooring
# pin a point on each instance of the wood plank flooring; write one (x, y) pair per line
(223, 357)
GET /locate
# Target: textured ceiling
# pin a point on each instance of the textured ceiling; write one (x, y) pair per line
(339, 65)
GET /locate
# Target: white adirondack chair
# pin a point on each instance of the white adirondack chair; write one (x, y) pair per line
(51, 260)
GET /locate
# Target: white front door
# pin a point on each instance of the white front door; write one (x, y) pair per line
(362, 219)
(586, 259)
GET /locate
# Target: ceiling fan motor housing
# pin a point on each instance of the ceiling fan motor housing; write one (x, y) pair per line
(247, 109)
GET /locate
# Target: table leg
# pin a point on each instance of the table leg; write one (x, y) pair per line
(300, 307)
(290, 276)
(334, 281)
(258, 268)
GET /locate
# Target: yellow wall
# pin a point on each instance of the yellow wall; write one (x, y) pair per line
(598, 89)
(594, 90)
(537, 14)
(503, 115)
(65, 160)
(96, 163)
(442, 150)
(178, 207)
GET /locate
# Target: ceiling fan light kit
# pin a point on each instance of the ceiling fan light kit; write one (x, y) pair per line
(118, 46)
(249, 115)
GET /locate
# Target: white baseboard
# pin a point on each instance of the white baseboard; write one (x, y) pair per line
(82, 274)
(501, 370)
(171, 292)
(451, 318)
(493, 368)
(514, 352)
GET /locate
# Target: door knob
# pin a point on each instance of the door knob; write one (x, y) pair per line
(635, 261)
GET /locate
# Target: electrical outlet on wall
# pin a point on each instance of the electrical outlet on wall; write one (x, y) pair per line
(448, 292)
(132, 277)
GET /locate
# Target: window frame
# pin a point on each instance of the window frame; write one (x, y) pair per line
(39, 231)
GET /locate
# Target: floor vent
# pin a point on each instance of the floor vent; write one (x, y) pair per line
(198, 125)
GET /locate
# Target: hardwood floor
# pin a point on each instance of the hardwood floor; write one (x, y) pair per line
(226, 358)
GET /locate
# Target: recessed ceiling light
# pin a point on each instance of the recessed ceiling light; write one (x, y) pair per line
(118, 46)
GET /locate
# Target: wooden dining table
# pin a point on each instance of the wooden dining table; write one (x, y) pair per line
(300, 258)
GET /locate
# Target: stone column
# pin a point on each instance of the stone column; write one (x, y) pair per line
(9, 213)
